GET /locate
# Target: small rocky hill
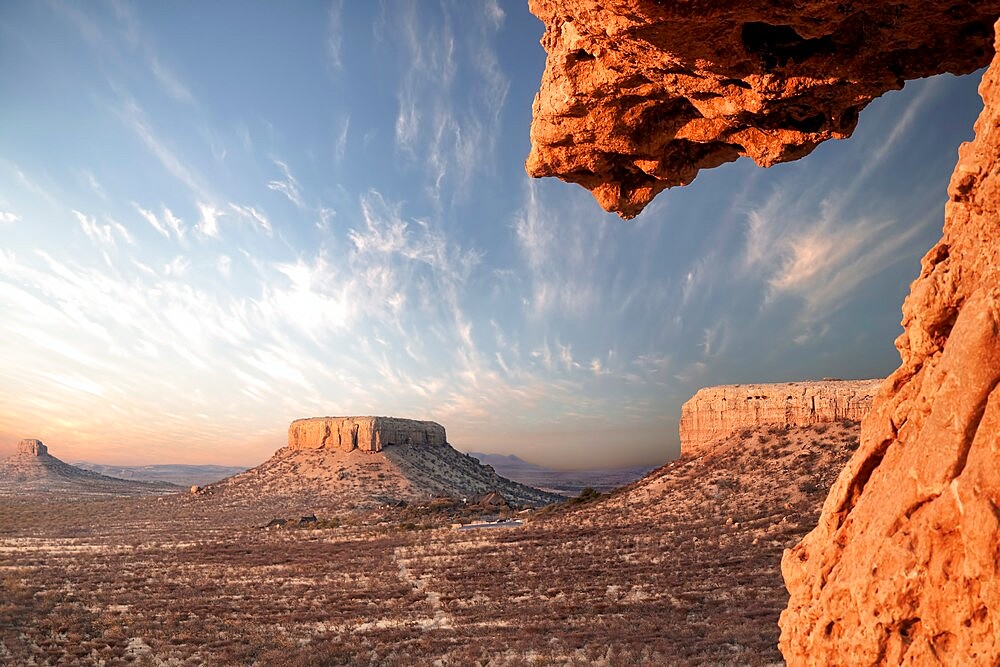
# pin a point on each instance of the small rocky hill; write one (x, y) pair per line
(33, 470)
(340, 464)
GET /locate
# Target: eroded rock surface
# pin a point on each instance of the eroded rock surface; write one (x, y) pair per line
(638, 96)
(716, 412)
(368, 434)
(904, 566)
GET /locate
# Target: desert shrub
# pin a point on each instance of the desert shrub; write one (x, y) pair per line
(763, 438)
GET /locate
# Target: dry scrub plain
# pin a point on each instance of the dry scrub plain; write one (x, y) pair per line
(679, 568)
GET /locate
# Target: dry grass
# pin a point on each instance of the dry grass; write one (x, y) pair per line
(680, 568)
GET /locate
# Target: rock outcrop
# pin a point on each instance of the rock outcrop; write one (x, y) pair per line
(717, 412)
(32, 447)
(369, 434)
(638, 95)
(904, 566)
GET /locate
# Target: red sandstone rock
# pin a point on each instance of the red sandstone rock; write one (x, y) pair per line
(904, 566)
(638, 96)
(717, 412)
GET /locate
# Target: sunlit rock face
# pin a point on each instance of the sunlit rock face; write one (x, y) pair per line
(369, 434)
(638, 96)
(904, 566)
(717, 412)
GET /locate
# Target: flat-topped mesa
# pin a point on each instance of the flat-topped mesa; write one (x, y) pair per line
(32, 447)
(369, 434)
(716, 412)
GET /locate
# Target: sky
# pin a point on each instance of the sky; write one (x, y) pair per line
(216, 218)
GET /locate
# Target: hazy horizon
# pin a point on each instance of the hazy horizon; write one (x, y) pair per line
(212, 226)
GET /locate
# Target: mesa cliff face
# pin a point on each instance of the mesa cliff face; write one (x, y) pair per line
(716, 412)
(368, 434)
(904, 565)
(638, 96)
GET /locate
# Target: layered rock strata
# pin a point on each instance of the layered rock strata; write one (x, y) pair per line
(369, 434)
(904, 566)
(638, 96)
(717, 412)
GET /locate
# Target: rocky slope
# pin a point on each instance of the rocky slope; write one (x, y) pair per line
(33, 470)
(904, 566)
(638, 95)
(715, 412)
(722, 518)
(338, 478)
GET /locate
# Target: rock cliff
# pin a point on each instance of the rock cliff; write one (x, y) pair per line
(638, 96)
(369, 434)
(903, 566)
(717, 412)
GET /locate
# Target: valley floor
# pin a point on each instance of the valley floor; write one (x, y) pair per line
(680, 568)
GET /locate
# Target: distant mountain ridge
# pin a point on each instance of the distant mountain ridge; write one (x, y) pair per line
(174, 473)
(564, 482)
(33, 470)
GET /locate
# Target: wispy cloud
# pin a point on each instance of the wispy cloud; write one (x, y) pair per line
(818, 255)
(133, 116)
(8, 218)
(167, 223)
(449, 108)
(208, 224)
(252, 215)
(335, 34)
(103, 235)
(288, 186)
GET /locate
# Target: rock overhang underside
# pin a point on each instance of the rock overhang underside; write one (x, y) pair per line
(638, 96)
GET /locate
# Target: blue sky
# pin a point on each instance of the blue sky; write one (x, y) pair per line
(216, 218)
